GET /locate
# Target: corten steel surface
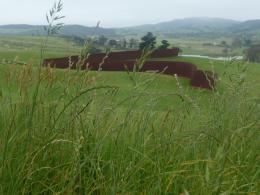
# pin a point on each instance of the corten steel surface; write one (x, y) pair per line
(122, 61)
(116, 56)
(132, 55)
(203, 79)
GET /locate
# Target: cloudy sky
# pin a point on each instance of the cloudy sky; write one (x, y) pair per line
(117, 13)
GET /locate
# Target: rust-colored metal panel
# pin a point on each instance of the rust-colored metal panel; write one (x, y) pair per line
(203, 79)
(112, 56)
(120, 61)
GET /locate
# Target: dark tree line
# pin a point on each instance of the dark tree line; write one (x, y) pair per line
(149, 42)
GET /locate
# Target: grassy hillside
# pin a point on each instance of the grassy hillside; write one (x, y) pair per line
(91, 132)
(81, 132)
(27, 48)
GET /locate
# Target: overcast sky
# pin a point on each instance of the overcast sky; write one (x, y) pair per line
(117, 13)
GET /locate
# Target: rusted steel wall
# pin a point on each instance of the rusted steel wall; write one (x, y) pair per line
(63, 63)
(203, 79)
(120, 61)
(123, 55)
(165, 53)
(182, 69)
(115, 56)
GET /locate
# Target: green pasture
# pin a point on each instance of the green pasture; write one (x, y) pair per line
(204, 46)
(28, 48)
(82, 132)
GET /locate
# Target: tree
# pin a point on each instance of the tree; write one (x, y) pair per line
(112, 43)
(124, 43)
(224, 44)
(253, 53)
(165, 45)
(102, 40)
(226, 47)
(148, 41)
(133, 43)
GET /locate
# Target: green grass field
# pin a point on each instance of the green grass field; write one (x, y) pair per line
(204, 46)
(27, 48)
(81, 132)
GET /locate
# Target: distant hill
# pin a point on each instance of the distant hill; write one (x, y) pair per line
(68, 30)
(251, 26)
(185, 26)
(86, 31)
(19, 29)
(180, 27)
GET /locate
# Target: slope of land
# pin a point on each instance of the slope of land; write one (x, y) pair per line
(84, 132)
(80, 132)
(211, 27)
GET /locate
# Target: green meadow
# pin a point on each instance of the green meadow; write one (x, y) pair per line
(82, 132)
(28, 48)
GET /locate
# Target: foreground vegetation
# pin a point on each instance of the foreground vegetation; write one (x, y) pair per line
(82, 132)
(73, 132)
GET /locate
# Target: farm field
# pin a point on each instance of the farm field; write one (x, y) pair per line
(81, 132)
(204, 46)
(27, 48)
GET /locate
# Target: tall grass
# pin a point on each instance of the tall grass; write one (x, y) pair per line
(83, 139)
(62, 132)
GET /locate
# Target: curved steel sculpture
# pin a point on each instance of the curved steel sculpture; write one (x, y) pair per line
(127, 60)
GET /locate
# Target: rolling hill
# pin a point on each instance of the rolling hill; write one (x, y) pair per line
(186, 26)
(68, 30)
(180, 27)
(251, 26)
